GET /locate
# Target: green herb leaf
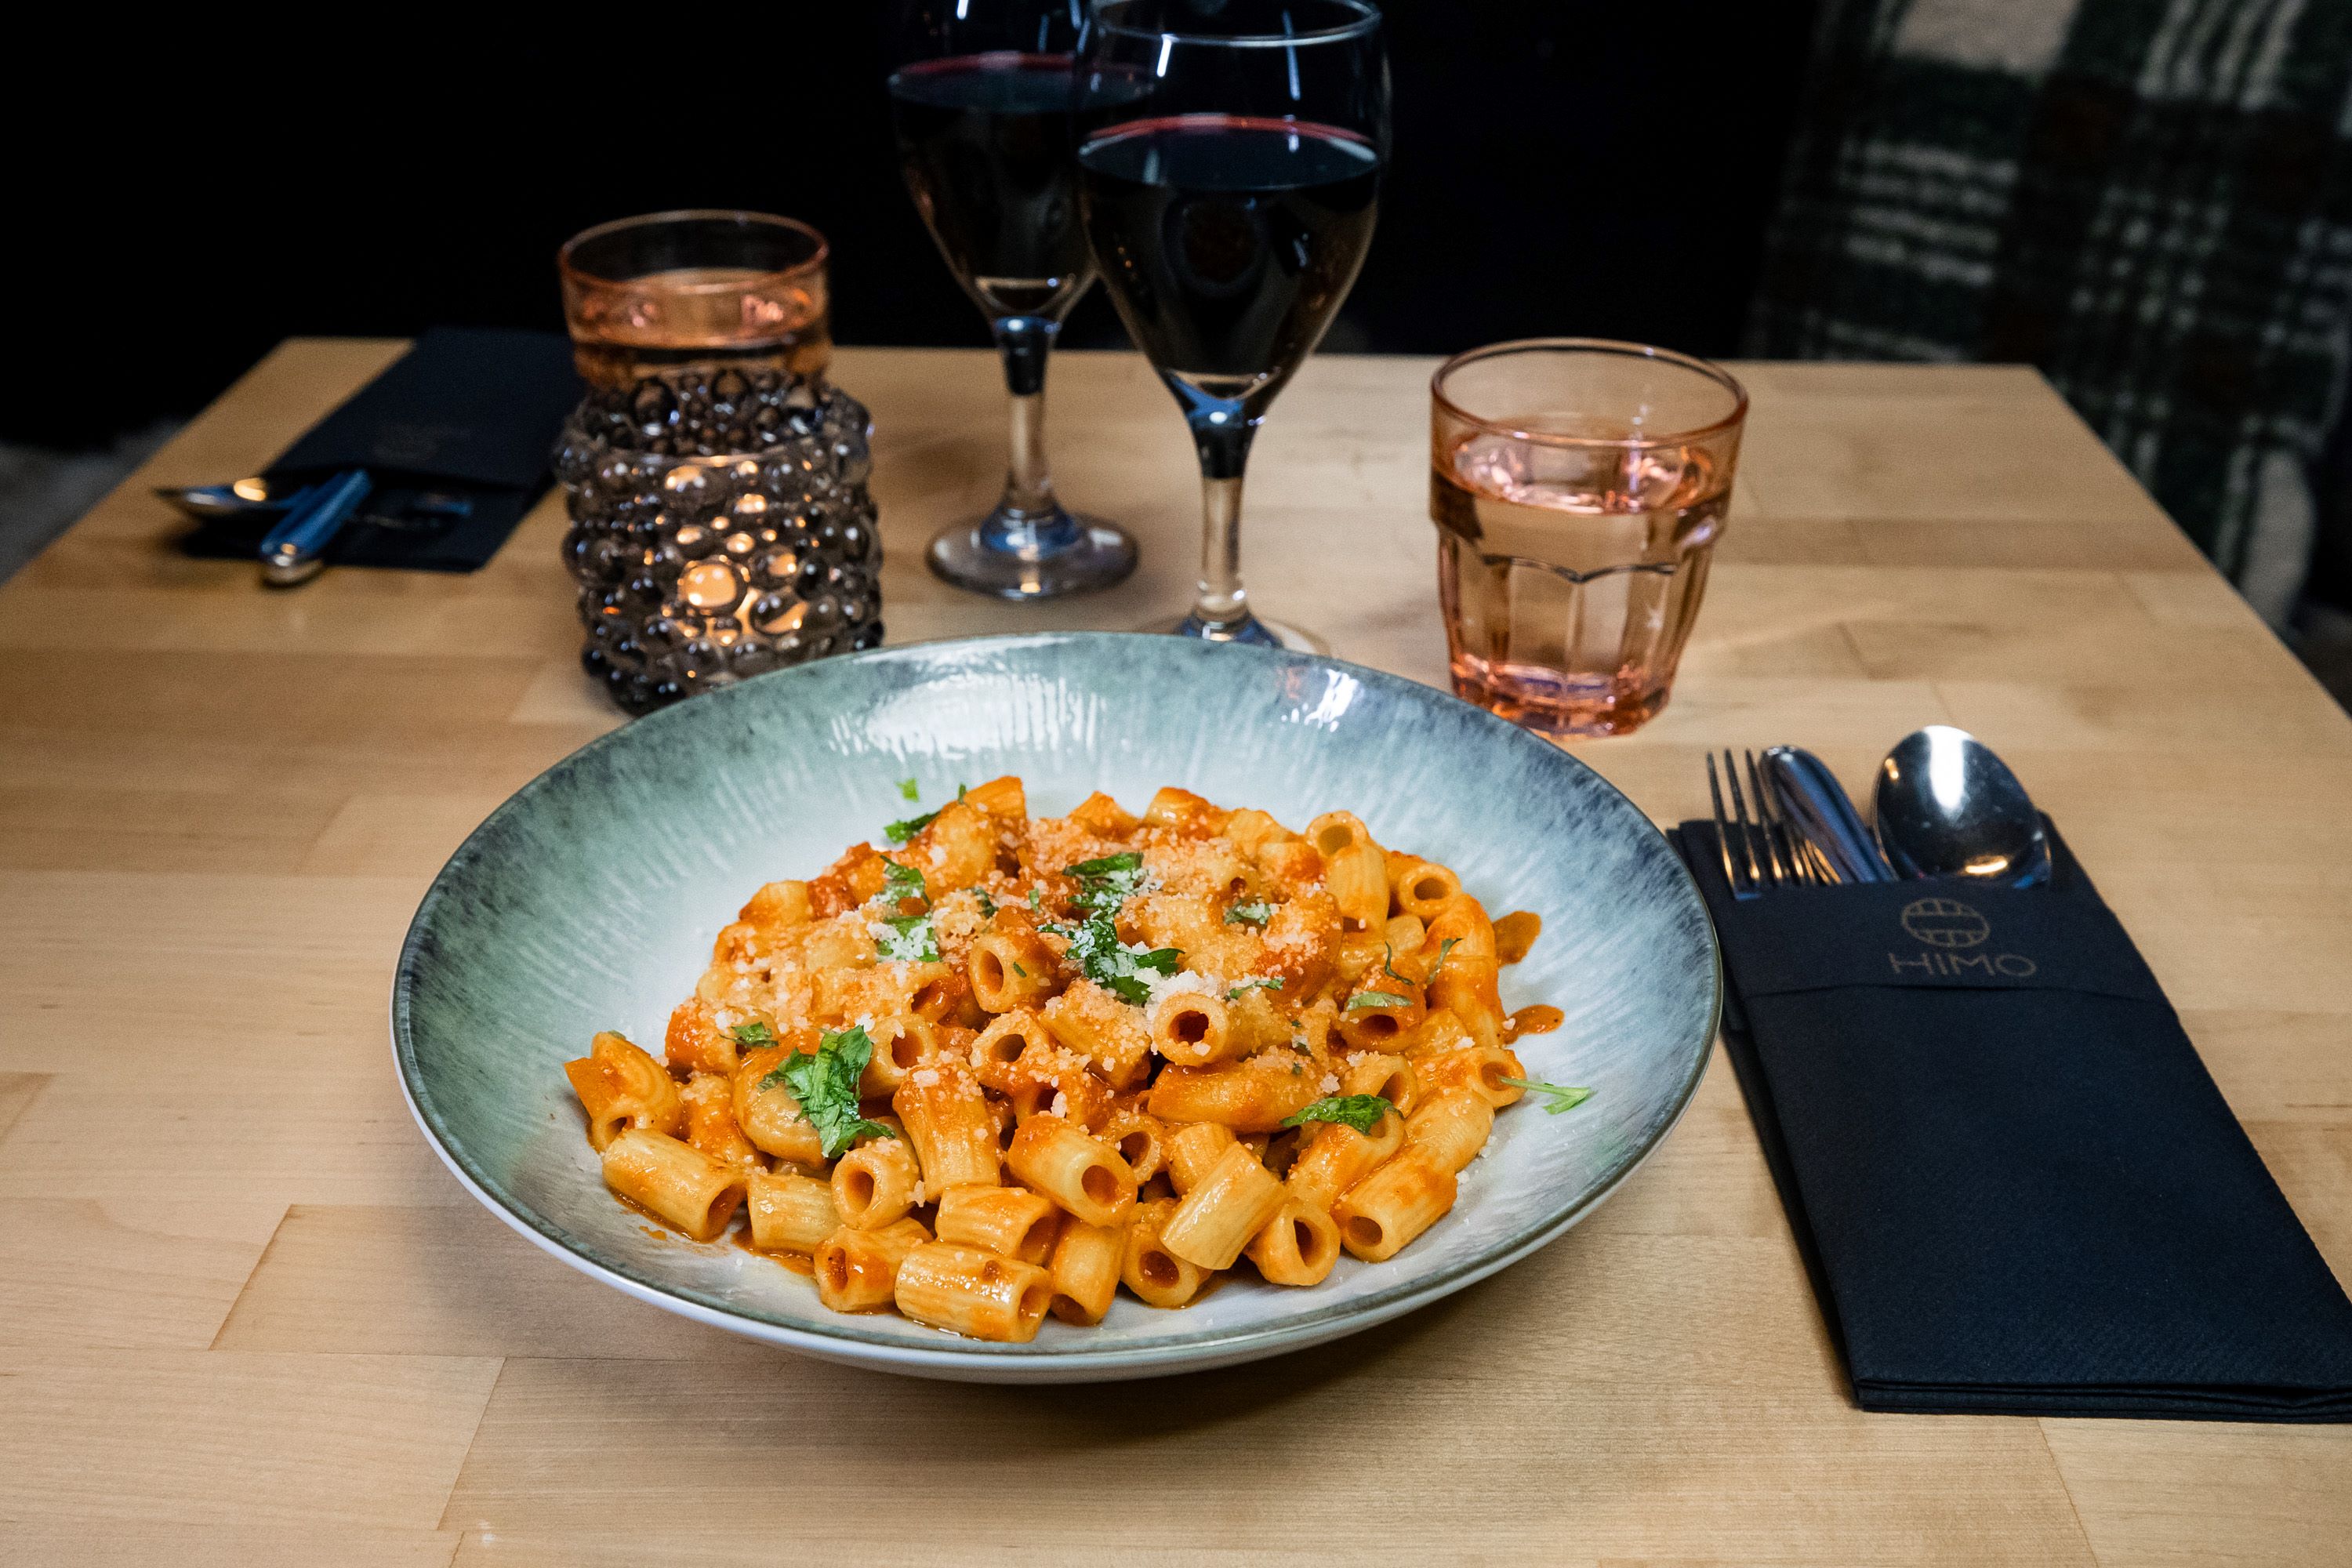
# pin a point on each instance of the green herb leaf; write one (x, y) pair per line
(1377, 999)
(987, 904)
(1558, 1097)
(1111, 963)
(1033, 892)
(909, 938)
(826, 1086)
(1361, 1111)
(1106, 883)
(1253, 984)
(1257, 914)
(1448, 945)
(1387, 964)
(903, 882)
(899, 832)
(907, 790)
(754, 1035)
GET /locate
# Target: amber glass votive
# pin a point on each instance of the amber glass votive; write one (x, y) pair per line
(717, 483)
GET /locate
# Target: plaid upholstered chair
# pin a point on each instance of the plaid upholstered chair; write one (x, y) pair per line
(2150, 200)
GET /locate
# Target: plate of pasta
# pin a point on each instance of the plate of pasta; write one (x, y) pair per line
(1066, 1007)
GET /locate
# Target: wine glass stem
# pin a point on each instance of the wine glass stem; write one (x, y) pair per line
(1026, 341)
(1224, 448)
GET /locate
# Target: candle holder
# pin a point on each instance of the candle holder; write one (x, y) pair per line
(721, 521)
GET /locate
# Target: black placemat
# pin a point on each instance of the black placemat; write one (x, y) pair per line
(468, 412)
(2016, 1186)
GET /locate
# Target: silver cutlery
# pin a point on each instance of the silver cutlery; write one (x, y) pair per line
(295, 550)
(1947, 807)
(1819, 811)
(259, 500)
(1762, 851)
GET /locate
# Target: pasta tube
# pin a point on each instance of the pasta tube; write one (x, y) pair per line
(1156, 1276)
(1230, 1204)
(1079, 1171)
(1396, 1202)
(674, 1182)
(621, 1087)
(974, 1293)
(1084, 1269)
(857, 1271)
(790, 1212)
(947, 1118)
(1452, 1128)
(874, 1184)
(1011, 1222)
(1298, 1247)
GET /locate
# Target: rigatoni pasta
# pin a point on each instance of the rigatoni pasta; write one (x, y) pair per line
(1008, 1065)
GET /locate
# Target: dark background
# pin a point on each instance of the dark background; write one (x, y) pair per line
(1565, 167)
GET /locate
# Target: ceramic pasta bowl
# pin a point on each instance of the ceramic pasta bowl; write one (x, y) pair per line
(590, 902)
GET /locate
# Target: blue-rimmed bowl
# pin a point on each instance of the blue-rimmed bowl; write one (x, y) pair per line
(589, 900)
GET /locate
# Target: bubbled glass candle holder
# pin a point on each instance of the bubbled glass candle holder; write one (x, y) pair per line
(717, 484)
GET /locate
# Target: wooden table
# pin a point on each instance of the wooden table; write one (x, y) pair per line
(251, 1319)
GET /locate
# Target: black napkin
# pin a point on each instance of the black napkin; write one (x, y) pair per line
(468, 413)
(2015, 1185)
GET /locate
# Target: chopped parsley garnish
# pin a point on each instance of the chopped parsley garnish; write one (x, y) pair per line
(752, 1036)
(825, 1084)
(1251, 984)
(1387, 964)
(1558, 1097)
(899, 832)
(987, 904)
(903, 882)
(1377, 999)
(1033, 892)
(1107, 883)
(1361, 1111)
(1110, 963)
(909, 938)
(1257, 914)
(907, 790)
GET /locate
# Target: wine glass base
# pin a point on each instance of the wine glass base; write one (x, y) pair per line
(1094, 554)
(1256, 631)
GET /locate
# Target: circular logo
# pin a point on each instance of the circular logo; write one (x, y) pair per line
(1945, 923)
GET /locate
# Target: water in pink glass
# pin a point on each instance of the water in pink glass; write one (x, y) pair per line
(1571, 574)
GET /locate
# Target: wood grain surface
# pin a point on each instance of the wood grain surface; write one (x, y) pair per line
(249, 1318)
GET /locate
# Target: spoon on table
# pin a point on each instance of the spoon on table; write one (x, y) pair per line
(1947, 807)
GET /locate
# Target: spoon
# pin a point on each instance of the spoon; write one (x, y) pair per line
(1947, 807)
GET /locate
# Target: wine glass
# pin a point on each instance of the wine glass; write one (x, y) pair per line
(1229, 171)
(979, 101)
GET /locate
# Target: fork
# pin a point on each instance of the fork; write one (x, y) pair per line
(1767, 853)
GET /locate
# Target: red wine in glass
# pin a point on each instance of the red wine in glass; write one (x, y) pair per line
(980, 102)
(1231, 241)
(984, 142)
(1229, 155)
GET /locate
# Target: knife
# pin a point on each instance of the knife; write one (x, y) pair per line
(1817, 808)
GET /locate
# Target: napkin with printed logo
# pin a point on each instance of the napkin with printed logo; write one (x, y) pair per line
(2016, 1186)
